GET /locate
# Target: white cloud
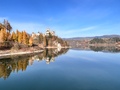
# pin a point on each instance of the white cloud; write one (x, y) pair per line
(88, 28)
(29, 27)
(74, 32)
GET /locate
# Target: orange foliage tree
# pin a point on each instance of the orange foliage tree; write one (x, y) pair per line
(3, 35)
(13, 37)
(31, 41)
(20, 37)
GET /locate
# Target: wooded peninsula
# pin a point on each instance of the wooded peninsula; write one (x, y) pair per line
(21, 42)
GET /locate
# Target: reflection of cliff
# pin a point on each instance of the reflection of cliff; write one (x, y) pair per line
(48, 55)
(20, 63)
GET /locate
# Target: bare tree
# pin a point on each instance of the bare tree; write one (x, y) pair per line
(7, 25)
(9, 28)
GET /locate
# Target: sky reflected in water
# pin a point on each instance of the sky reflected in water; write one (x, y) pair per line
(74, 70)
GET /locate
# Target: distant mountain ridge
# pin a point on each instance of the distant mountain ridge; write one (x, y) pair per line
(103, 36)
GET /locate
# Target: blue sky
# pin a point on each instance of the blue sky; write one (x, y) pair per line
(68, 18)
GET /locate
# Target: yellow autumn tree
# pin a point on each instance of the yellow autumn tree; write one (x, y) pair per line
(2, 35)
(5, 34)
(31, 41)
(20, 37)
(13, 37)
(28, 37)
(25, 38)
(8, 36)
(17, 34)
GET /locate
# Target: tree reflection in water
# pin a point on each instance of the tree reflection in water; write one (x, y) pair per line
(17, 63)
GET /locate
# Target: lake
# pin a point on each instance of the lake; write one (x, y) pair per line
(61, 70)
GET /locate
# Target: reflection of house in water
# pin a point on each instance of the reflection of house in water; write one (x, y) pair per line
(31, 61)
(48, 55)
(20, 63)
(52, 59)
(48, 60)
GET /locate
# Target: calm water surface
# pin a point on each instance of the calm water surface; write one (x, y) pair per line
(74, 70)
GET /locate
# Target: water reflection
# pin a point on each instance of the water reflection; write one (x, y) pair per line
(20, 63)
(111, 49)
(105, 49)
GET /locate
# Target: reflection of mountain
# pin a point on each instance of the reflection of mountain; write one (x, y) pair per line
(111, 49)
(15, 64)
(105, 49)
